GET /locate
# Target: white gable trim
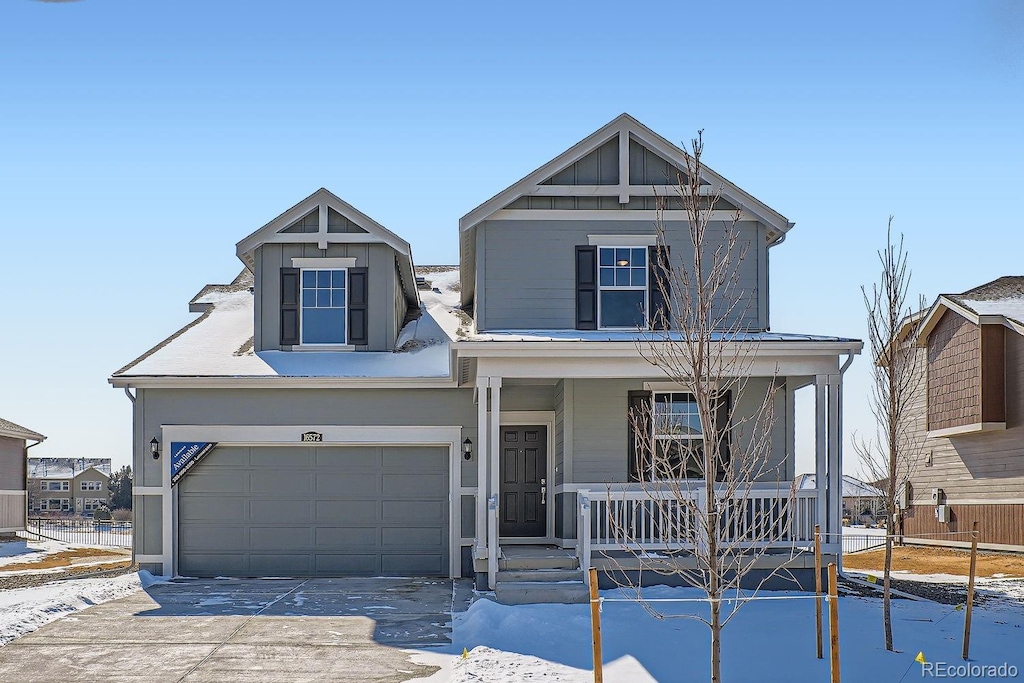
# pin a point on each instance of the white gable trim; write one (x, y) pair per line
(343, 262)
(944, 303)
(625, 127)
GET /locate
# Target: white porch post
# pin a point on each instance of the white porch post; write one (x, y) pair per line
(835, 458)
(494, 435)
(482, 451)
(821, 453)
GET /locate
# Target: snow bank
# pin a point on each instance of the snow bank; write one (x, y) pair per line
(23, 610)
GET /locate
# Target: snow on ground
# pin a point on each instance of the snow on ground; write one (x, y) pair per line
(23, 610)
(771, 640)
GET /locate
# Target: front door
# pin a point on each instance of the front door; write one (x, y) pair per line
(524, 471)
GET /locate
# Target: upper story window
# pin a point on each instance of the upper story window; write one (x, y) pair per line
(678, 437)
(324, 304)
(54, 486)
(91, 486)
(622, 281)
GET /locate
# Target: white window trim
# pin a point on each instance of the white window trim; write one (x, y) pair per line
(622, 240)
(325, 263)
(321, 265)
(617, 288)
(672, 437)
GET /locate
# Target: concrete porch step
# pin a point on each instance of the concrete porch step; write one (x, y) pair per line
(515, 558)
(540, 592)
(539, 575)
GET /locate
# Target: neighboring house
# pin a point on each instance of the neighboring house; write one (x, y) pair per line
(862, 502)
(68, 486)
(13, 451)
(325, 416)
(971, 427)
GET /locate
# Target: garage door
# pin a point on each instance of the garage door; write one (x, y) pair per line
(308, 511)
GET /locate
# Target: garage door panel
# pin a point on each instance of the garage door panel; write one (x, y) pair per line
(409, 564)
(280, 537)
(348, 458)
(345, 485)
(393, 538)
(270, 564)
(212, 537)
(416, 512)
(363, 538)
(306, 510)
(337, 564)
(281, 482)
(347, 511)
(415, 485)
(281, 457)
(280, 511)
(415, 459)
(207, 509)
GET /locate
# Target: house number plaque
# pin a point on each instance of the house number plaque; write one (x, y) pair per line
(312, 437)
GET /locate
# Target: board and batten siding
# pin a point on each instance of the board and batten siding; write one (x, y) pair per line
(526, 275)
(12, 484)
(384, 316)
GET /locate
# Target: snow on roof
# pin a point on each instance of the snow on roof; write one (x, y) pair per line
(637, 336)
(220, 342)
(1003, 296)
(852, 487)
(8, 428)
(65, 468)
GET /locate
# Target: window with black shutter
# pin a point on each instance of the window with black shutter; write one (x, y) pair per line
(289, 306)
(358, 330)
(675, 441)
(586, 288)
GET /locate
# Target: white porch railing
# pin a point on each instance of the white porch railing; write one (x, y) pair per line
(630, 517)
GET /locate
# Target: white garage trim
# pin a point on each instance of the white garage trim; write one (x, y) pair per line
(333, 435)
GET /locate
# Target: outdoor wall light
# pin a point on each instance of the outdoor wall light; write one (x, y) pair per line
(154, 448)
(467, 449)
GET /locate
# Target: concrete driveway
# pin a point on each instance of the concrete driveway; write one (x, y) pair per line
(350, 629)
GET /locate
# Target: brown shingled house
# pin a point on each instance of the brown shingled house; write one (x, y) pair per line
(971, 465)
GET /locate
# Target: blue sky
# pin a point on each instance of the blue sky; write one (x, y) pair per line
(139, 141)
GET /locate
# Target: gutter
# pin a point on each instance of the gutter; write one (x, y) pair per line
(128, 393)
(37, 442)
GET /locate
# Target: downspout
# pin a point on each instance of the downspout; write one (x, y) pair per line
(128, 393)
(768, 278)
(839, 556)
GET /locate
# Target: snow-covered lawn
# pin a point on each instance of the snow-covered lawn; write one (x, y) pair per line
(771, 640)
(23, 610)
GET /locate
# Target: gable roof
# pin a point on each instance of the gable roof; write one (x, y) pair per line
(624, 127)
(322, 200)
(999, 302)
(16, 431)
(66, 468)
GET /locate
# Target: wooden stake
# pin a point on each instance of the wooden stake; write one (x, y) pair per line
(817, 583)
(595, 626)
(833, 619)
(970, 589)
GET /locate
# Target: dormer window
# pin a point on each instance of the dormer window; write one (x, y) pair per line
(324, 306)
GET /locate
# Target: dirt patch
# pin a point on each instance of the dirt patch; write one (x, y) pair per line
(66, 558)
(921, 560)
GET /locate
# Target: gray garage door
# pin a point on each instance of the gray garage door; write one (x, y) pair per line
(307, 511)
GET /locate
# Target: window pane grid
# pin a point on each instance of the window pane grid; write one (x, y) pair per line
(323, 306)
(622, 280)
(679, 437)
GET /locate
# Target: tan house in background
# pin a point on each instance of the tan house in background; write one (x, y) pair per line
(13, 449)
(68, 485)
(971, 464)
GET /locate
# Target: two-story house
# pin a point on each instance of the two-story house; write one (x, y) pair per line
(325, 416)
(69, 486)
(13, 480)
(968, 462)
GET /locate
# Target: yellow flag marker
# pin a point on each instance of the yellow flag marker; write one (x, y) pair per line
(465, 653)
(920, 658)
(959, 607)
(872, 578)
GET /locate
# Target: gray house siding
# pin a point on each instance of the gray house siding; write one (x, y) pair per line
(379, 259)
(358, 407)
(526, 269)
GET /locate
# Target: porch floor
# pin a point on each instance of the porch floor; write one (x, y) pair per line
(535, 552)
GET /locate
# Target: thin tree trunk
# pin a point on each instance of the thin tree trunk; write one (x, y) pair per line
(716, 641)
(886, 595)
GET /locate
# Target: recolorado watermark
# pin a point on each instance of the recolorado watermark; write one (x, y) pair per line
(968, 671)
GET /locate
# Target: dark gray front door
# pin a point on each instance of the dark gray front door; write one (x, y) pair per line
(524, 471)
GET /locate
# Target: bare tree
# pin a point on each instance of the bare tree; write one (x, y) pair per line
(713, 496)
(896, 401)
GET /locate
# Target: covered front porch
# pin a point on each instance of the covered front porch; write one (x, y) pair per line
(569, 456)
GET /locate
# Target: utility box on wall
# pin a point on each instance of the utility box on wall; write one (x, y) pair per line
(938, 496)
(942, 513)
